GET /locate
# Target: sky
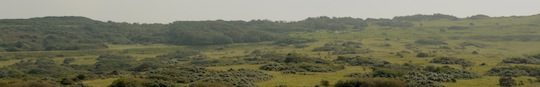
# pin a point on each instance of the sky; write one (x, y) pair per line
(166, 11)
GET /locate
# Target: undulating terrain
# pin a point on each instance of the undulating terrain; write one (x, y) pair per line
(405, 51)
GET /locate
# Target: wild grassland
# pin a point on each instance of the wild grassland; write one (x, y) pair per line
(383, 43)
(100, 82)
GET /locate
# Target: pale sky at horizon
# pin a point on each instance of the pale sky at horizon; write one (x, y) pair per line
(165, 11)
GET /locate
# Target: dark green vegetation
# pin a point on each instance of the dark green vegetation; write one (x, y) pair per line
(75, 33)
(339, 47)
(406, 51)
(371, 82)
(535, 59)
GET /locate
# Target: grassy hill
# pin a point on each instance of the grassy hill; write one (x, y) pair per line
(272, 53)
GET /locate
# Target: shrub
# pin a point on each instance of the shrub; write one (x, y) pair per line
(361, 61)
(417, 76)
(301, 67)
(521, 61)
(210, 84)
(129, 82)
(394, 23)
(187, 75)
(29, 83)
(533, 59)
(430, 42)
(518, 70)
(264, 56)
(507, 81)
(293, 41)
(348, 47)
(325, 83)
(387, 73)
(422, 54)
(107, 63)
(452, 60)
(69, 60)
(371, 82)
(455, 73)
(183, 55)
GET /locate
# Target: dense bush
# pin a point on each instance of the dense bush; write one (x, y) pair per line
(74, 33)
(332, 23)
(28, 83)
(186, 74)
(421, 17)
(138, 82)
(264, 57)
(521, 61)
(387, 73)
(394, 23)
(518, 70)
(361, 61)
(533, 59)
(371, 82)
(108, 63)
(339, 47)
(239, 78)
(479, 16)
(301, 67)
(41, 67)
(418, 76)
(210, 84)
(215, 32)
(452, 60)
(259, 56)
(507, 81)
(453, 72)
(423, 54)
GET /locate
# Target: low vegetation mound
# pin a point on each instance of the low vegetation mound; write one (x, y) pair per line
(293, 41)
(473, 44)
(418, 76)
(394, 23)
(301, 67)
(430, 42)
(534, 59)
(452, 60)
(371, 82)
(339, 47)
(186, 75)
(361, 61)
(518, 70)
